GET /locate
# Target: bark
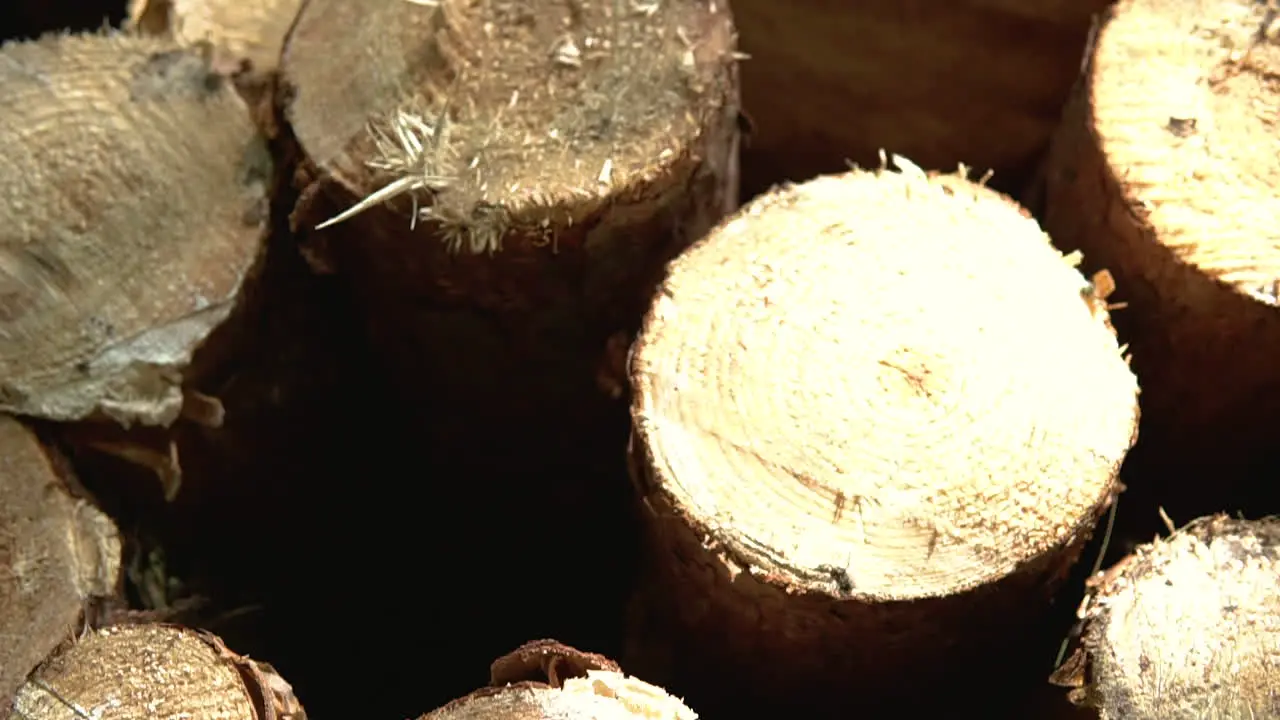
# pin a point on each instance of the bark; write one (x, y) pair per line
(129, 250)
(543, 680)
(1185, 628)
(58, 555)
(1164, 171)
(876, 418)
(980, 82)
(150, 671)
(251, 32)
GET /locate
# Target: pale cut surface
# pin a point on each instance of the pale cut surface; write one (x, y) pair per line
(135, 184)
(1185, 100)
(1190, 628)
(602, 695)
(250, 29)
(887, 374)
(57, 553)
(153, 671)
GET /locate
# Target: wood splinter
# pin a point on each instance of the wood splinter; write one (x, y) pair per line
(1185, 628)
(125, 253)
(874, 426)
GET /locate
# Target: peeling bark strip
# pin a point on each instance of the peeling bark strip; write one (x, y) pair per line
(545, 680)
(557, 154)
(249, 30)
(154, 671)
(876, 416)
(1185, 628)
(1165, 171)
(123, 249)
(58, 553)
(978, 81)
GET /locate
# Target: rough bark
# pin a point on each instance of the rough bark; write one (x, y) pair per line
(1164, 171)
(544, 680)
(157, 670)
(58, 555)
(1185, 628)
(876, 418)
(978, 81)
(127, 249)
(251, 32)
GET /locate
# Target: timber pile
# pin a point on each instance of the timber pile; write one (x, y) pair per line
(324, 326)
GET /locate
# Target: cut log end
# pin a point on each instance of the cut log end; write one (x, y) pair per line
(1164, 170)
(545, 679)
(881, 386)
(252, 32)
(1186, 628)
(57, 554)
(502, 118)
(134, 669)
(124, 248)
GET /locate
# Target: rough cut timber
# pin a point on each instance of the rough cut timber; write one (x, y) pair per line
(558, 155)
(1186, 628)
(137, 671)
(876, 417)
(136, 219)
(975, 81)
(58, 553)
(1165, 172)
(241, 30)
(544, 680)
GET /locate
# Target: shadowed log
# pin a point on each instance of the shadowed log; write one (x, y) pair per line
(977, 81)
(58, 554)
(876, 417)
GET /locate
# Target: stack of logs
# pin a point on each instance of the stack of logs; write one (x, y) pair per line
(847, 448)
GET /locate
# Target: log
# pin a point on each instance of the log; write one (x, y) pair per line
(58, 555)
(978, 81)
(128, 248)
(251, 32)
(876, 417)
(545, 680)
(145, 670)
(535, 194)
(1185, 627)
(1164, 171)
(548, 158)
